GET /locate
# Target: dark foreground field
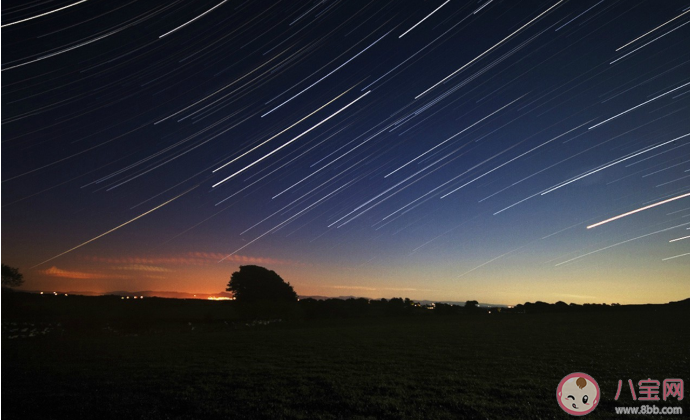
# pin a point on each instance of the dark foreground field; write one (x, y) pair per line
(185, 361)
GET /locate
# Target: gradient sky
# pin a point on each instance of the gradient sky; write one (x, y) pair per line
(427, 149)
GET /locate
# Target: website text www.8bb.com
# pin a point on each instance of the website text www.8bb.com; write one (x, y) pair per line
(649, 409)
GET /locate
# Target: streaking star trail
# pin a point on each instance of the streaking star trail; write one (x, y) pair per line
(499, 151)
(111, 230)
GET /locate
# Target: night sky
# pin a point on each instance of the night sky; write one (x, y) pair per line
(426, 149)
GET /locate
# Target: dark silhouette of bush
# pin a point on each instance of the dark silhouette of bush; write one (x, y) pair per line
(11, 277)
(446, 309)
(253, 284)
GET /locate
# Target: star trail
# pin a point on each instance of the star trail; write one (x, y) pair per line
(496, 150)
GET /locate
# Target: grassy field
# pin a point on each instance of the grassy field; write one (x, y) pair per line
(185, 361)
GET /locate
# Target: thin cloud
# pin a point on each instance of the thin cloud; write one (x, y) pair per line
(244, 259)
(142, 267)
(57, 272)
(353, 287)
(189, 258)
(395, 289)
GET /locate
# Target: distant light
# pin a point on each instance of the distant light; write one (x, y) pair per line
(135, 297)
(41, 292)
(141, 297)
(122, 297)
(127, 297)
(65, 294)
(219, 298)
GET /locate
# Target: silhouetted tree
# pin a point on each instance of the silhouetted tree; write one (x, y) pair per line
(253, 283)
(11, 277)
(471, 304)
(397, 302)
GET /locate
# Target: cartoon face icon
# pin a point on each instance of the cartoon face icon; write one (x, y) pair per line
(578, 394)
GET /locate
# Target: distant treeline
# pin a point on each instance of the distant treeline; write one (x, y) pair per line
(361, 307)
(90, 311)
(543, 307)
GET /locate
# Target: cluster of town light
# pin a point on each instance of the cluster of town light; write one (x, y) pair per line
(141, 297)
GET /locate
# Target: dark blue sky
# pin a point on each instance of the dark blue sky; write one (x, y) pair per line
(437, 150)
